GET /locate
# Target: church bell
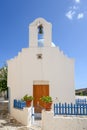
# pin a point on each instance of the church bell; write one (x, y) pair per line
(40, 29)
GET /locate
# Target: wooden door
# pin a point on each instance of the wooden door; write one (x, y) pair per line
(38, 92)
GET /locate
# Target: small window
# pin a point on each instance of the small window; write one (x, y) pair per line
(39, 56)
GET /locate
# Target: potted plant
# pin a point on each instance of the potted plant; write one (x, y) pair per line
(47, 100)
(28, 100)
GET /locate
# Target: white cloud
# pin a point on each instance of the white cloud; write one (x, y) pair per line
(80, 15)
(77, 1)
(75, 7)
(70, 14)
(76, 11)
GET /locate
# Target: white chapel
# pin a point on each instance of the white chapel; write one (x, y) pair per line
(41, 69)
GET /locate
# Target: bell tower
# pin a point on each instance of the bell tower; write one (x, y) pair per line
(40, 27)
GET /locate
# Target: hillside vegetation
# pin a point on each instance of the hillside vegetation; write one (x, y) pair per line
(81, 92)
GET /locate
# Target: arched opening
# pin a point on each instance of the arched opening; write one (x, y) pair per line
(40, 36)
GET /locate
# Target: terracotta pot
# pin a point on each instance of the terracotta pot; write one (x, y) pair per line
(28, 103)
(47, 106)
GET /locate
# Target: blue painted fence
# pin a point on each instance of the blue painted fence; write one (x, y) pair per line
(70, 109)
(81, 101)
(19, 104)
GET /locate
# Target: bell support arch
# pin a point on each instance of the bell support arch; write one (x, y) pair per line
(33, 32)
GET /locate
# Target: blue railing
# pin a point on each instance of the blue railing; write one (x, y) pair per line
(81, 101)
(70, 109)
(19, 104)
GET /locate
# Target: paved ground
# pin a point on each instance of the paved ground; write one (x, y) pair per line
(9, 123)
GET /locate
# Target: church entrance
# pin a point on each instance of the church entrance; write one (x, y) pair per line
(39, 90)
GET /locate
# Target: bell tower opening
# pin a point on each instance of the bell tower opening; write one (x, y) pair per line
(40, 30)
(40, 36)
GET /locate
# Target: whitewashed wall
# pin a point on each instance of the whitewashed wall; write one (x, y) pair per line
(23, 116)
(53, 67)
(51, 122)
(81, 97)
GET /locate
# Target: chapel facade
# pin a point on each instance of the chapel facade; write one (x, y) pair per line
(41, 69)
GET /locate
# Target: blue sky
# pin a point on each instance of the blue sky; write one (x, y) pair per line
(69, 29)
